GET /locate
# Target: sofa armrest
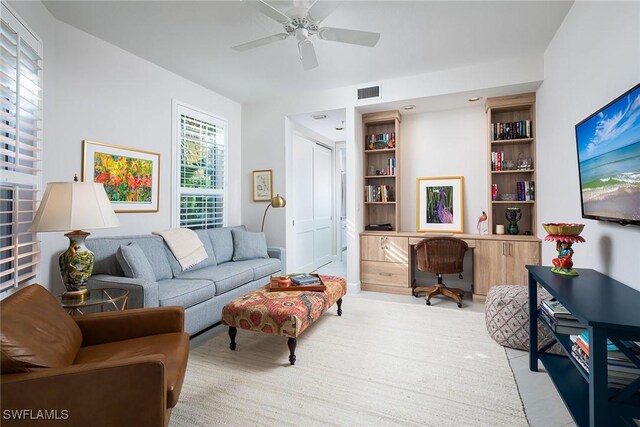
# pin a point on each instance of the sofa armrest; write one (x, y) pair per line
(280, 253)
(122, 392)
(142, 293)
(99, 328)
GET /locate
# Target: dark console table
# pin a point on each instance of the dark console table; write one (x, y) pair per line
(609, 310)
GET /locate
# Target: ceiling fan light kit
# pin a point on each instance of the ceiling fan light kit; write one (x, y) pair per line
(302, 23)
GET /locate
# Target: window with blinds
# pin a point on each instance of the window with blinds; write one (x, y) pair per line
(20, 145)
(201, 169)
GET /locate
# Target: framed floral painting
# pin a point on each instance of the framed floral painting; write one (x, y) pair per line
(130, 176)
(440, 204)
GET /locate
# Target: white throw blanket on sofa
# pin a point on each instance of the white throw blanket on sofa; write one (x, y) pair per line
(185, 245)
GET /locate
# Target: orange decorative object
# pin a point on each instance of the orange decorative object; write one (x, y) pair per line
(286, 282)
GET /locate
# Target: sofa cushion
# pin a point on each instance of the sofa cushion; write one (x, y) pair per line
(185, 292)
(248, 245)
(261, 267)
(173, 346)
(134, 263)
(222, 242)
(227, 276)
(36, 332)
(210, 261)
(105, 248)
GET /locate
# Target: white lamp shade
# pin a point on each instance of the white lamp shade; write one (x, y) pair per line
(68, 206)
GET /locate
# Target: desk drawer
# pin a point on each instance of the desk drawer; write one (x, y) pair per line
(384, 273)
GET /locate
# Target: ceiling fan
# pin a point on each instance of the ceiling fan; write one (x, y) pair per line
(302, 23)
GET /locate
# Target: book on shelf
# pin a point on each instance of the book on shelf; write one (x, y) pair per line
(378, 193)
(562, 326)
(618, 375)
(555, 309)
(511, 130)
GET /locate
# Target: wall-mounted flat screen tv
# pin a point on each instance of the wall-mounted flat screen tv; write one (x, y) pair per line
(609, 160)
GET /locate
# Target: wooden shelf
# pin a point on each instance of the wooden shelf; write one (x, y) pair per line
(512, 111)
(380, 126)
(525, 202)
(515, 171)
(382, 150)
(512, 141)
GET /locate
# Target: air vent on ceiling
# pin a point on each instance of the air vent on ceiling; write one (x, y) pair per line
(369, 92)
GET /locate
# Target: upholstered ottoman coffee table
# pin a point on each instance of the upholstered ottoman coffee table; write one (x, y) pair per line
(282, 313)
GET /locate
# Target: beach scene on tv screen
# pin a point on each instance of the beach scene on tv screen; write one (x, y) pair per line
(609, 156)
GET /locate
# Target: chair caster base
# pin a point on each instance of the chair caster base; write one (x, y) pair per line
(428, 302)
(459, 305)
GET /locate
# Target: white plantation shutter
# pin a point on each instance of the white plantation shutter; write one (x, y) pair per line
(201, 169)
(20, 145)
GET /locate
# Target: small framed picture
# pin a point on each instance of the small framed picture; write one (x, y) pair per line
(262, 186)
(130, 176)
(440, 204)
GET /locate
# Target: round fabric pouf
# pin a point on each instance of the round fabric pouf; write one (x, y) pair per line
(507, 317)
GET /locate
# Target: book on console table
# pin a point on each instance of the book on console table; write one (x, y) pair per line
(562, 326)
(297, 282)
(556, 310)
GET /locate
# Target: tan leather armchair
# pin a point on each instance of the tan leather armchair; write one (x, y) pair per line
(122, 368)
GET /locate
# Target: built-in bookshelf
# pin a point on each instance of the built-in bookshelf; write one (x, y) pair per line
(380, 165)
(512, 163)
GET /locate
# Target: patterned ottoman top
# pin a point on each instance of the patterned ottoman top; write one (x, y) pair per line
(282, 313)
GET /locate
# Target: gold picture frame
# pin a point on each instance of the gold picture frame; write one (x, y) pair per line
(262, 185)
(131, 177)
(440, 204)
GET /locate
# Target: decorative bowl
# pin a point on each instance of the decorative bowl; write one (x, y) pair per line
(563, 229)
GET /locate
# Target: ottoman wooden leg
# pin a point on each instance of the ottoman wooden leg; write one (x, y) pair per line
(232, 334)
(292, 350)
(339, 302)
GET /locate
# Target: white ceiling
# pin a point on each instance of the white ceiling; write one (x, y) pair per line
(325, 127)
(194, 39)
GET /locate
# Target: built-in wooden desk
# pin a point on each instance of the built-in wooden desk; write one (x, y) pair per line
(387, 260)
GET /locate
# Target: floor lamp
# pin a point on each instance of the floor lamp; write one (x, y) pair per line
(277, 202)
(73, 207)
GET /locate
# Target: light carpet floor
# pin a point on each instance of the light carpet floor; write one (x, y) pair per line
(381, 363)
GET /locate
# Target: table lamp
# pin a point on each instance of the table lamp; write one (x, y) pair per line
(277, 202)
(74, 206)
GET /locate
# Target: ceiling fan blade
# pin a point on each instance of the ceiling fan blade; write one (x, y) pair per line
(268, 10)
(363, 38)
(321, 9)
(260, 42)
(307, 55)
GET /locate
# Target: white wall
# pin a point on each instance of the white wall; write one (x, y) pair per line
(106, 94)
(445, 143)
(593, 58)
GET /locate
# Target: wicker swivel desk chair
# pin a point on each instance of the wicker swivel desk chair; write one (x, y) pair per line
(441, 255)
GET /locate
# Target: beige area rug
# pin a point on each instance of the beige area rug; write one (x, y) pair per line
(381, 363)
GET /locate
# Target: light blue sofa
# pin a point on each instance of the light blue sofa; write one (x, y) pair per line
(202, 289)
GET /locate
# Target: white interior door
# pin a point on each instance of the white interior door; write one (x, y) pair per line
(323, 204)
(312, 204)
(303, 223)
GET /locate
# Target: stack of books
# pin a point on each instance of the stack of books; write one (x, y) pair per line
(559, 319)
(305, 280)
(621, 370)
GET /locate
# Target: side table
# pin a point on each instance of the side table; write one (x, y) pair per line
(110, 297)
